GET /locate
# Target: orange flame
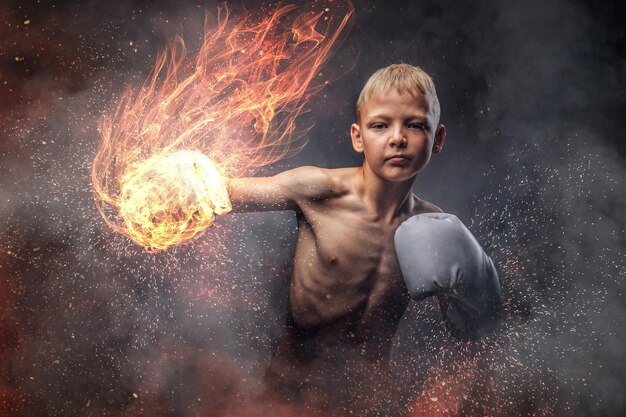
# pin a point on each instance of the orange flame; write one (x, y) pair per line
(160, 171)
(443, 395)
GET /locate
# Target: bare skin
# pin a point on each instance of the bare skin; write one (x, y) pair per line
(347, 294)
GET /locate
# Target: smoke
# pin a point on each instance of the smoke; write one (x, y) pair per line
(533, 164)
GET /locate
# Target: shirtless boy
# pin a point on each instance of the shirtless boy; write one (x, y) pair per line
(347, 292)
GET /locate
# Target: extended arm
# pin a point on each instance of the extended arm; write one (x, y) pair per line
(285, 191)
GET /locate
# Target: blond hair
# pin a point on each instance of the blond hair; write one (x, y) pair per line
(404, 78)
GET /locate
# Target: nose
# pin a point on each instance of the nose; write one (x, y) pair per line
(398, 138)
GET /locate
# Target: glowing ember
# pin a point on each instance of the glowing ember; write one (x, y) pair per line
(236, 106)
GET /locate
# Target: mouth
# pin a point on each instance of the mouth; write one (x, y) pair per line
(398, 159)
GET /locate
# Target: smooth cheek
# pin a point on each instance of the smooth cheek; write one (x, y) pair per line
(374, 149)
(422, 155)
(422, 162)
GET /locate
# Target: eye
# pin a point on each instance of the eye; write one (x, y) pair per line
(378, 126)
(418, 126)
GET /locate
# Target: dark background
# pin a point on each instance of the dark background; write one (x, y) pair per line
(533, 97)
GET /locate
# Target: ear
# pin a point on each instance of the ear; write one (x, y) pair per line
(357, 140)
(440, 138)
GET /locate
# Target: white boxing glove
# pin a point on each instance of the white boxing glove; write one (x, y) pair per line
(439, 256)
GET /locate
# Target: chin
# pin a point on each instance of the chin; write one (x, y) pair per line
(400, 177)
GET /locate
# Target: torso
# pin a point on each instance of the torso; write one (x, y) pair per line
(347, 293)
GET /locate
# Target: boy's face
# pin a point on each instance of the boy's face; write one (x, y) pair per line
(397, 135)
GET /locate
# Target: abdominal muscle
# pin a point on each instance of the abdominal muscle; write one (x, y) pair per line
(346, 298)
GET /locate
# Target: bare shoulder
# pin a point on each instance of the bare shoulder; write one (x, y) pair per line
(422, 206)
(313, 183)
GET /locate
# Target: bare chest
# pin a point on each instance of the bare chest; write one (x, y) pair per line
(345, 269)
(348, 243)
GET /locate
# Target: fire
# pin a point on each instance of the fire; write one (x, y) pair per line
(160, 173)
(171, 198)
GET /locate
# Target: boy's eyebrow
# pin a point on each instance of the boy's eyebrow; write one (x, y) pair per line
(421, 119)
(417, 117)
(378, 116)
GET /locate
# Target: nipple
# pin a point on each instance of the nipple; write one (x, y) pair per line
(333, 259)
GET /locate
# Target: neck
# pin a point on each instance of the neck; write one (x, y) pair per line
(386, 198)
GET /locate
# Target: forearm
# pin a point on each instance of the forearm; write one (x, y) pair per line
(285, 191)
(258, 194)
